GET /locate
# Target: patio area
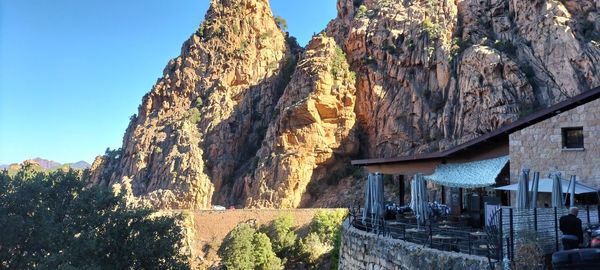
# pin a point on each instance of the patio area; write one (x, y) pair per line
(494, 231)
(448, 234)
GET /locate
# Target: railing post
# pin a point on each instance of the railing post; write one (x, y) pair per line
(508, 249)
(587, 208)
(556, 228)
(512, 233)
(469, 237)
(430, 236)
(535, 219)
(501, 228)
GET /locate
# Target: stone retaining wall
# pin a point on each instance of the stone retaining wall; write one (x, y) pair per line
(362, 250)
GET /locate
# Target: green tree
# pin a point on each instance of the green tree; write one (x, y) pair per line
(244, 248)
(51, 221)
(236, 250)
(264, 257)
(326, 224)
(282, 235)
(321, 247)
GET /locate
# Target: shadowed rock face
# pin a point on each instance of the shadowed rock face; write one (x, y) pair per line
(245, 117)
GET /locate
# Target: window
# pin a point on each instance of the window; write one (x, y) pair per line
(572, 138)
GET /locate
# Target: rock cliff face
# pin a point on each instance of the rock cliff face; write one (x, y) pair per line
(245, 117)
(313, 134)
(435, 73)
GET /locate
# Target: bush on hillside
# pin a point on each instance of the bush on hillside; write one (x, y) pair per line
(244, 248)
(281, 23)
(264, 257)
(313, 250)
(282, 235)
(327, 223)
(51, 221)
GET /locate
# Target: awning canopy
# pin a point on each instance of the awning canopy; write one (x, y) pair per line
(474, 174)
(545, 185)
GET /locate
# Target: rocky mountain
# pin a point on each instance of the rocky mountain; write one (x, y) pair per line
(41, 164)
(79, 165)
(246, 117)
(44, 163)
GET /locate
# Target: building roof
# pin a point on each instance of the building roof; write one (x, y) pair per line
(475, 174)
(496, 135)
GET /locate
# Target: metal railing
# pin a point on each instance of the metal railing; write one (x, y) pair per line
(448, 236)
(506, 231)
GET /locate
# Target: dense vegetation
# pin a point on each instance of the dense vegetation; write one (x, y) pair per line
(278, 245)
(51, 221)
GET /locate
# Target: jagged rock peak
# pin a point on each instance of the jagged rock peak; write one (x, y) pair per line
(195, 129)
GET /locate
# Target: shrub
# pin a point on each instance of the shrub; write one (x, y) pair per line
(505, 46)
(313, 249)
(338, 63)
(113, 154)
(281, 23)
(361, 12)
(433, 30)
(282, 235)
(245, 248)
(193, 115)
(243, 47)
(264, 257)
(335, 251)
(237, 248)
(327, 223)
(199, 102)
(201, 29)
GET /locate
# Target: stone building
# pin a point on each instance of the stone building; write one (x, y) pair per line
(568, 142)
(564, 137)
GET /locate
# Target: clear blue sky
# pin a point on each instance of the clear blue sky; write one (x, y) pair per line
(73, 71)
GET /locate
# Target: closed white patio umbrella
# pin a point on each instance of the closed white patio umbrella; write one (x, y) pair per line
(572, 185)
(557, 193)
(418, 200)
(523, 192)
(535, 189)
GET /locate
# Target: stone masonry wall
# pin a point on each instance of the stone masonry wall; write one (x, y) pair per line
(539, 146)
(362, 250)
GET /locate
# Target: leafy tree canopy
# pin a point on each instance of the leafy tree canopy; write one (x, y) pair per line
(244, 248)
(51, 221)
(282, 235)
